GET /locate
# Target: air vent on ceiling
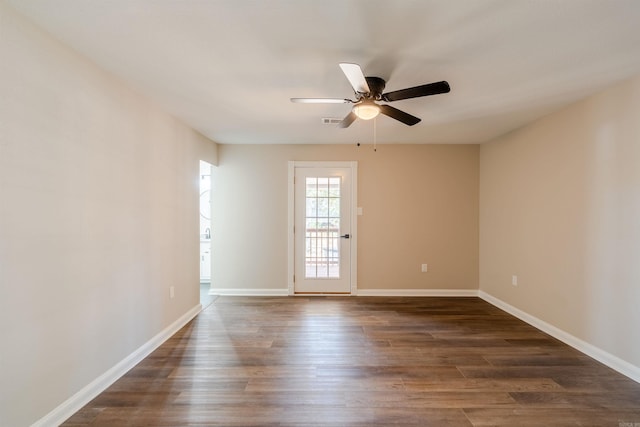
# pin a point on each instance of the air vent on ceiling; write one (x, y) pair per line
(330, 120)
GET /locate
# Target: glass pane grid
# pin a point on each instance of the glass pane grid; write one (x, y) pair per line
(322, 234)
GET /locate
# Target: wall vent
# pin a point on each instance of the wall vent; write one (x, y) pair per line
(331, 120)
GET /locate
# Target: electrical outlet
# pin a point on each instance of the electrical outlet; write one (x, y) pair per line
(514, 280)
(424, 268)
(172, 291)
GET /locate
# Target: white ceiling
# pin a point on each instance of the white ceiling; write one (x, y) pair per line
(228, 67)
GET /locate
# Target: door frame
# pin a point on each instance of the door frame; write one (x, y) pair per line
(353, 255)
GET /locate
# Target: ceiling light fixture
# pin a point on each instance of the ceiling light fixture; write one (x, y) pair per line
(366, 110)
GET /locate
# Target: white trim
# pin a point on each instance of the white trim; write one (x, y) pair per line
(100, 384)
(322, 164)
(417, 292)
(614, 362)
(354, 228)
(250, 292)
(291, 166)
(290, 227)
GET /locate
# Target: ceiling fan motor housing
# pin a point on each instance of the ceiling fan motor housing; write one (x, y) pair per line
(376, 87)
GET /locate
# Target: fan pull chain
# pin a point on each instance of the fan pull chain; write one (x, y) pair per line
(375, 135)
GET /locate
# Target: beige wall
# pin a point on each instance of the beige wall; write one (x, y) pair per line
(560, 207)
(98, 217)
(420, 205)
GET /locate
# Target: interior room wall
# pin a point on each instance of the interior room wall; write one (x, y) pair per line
(98, 218)
(559, 208)
(420, 205)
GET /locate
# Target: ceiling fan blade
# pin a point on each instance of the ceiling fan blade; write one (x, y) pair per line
(320, 101)
(355, 76)
(346, 122)
(417, 91)
(394, 113)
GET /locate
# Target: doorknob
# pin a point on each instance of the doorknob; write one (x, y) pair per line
(346, 236)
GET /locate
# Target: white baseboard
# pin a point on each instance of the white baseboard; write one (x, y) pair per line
(250, 292)
(614, 362)
(360, 292)
(100, 384)
(417, 292)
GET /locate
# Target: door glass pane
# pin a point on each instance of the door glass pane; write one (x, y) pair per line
(312, 187)
(334, 208)
(334, 187)
(322, 234)
(312, 207)
(323, 207)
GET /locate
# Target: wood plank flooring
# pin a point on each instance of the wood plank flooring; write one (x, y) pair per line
(356, 361)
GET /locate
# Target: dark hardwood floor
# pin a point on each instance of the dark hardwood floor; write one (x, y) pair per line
(355, 361)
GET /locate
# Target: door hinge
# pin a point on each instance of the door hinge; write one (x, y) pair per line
(294, 278)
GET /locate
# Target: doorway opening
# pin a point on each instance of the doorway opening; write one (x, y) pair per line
(322, 228)
(205, 233)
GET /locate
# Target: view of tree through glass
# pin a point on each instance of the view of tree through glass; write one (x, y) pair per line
(322, 230)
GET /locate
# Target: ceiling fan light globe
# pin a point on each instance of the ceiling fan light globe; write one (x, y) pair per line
(366, 111)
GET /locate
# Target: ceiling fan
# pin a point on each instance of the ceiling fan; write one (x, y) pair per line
(368, 90)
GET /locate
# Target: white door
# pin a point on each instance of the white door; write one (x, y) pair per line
(323, 232)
